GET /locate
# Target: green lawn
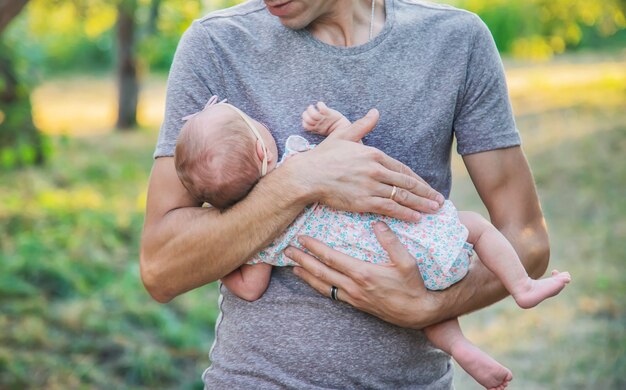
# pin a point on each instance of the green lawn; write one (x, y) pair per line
(73, 313)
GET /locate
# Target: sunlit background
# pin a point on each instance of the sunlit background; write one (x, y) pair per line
(74, 169)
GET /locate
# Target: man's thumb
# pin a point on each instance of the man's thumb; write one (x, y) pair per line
(398, 254)
(360, 128)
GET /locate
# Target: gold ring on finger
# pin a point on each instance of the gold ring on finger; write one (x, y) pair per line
(394, 190)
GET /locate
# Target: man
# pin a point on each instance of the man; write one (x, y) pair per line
(432, 72)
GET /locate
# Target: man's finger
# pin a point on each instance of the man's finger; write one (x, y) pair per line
(398, 254)
(391, 208)
(406, 198)
(359, 128)
(322, 287)
(317, 269)
(425, 190)
(334, 259)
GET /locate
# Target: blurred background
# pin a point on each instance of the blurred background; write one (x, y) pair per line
(82, 86)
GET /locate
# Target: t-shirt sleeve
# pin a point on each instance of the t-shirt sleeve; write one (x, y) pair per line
(191, 82)
(484, 117)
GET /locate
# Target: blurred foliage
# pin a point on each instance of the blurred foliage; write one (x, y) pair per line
(538, 29)
(21, 143)
(77, 35)
(70, 36)
(73, 311)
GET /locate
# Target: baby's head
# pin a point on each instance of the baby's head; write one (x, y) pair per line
(219, 157)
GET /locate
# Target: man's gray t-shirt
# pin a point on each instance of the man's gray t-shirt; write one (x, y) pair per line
(433, 72)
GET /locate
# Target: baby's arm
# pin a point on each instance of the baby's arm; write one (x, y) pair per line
(499, 256)
(321, 119)
(248, 282)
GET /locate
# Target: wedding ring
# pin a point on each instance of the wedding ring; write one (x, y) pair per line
(333, 292)
(393, 192)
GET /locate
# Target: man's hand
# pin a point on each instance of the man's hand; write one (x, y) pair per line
(394, 292)
(349, 176)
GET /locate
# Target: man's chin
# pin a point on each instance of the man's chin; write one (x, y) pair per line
(289, 13)
(292, 26)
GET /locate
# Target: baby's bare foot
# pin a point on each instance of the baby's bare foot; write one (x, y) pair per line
(535, 291)
(482, 367)
(322, 120)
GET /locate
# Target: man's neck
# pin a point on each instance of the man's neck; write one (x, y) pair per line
(347, 22)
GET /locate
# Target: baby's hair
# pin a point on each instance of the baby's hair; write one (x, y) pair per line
(220, 169)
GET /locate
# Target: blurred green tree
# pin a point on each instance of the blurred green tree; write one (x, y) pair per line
(94, 13)
(20, 141)
(539, 29)
(9, 10)
(128, 84)
(75, 35)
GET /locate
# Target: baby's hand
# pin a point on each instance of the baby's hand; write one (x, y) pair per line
(322, 120)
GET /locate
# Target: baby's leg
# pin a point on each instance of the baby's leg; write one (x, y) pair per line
(498, 255)
(323, 120)
(249, 282)
(448, 337)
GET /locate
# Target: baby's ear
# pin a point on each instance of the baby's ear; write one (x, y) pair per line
(259, 150)
(260, 154)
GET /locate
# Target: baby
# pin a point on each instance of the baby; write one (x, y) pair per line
(220, 155)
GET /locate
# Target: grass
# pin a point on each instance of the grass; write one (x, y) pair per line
(74, 314)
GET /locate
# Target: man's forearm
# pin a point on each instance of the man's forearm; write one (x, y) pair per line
(505, 184)
(189, 247)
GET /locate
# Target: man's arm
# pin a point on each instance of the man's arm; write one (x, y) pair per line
(512, 202)
(185, 246)
(396, 292)
(505, 184)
